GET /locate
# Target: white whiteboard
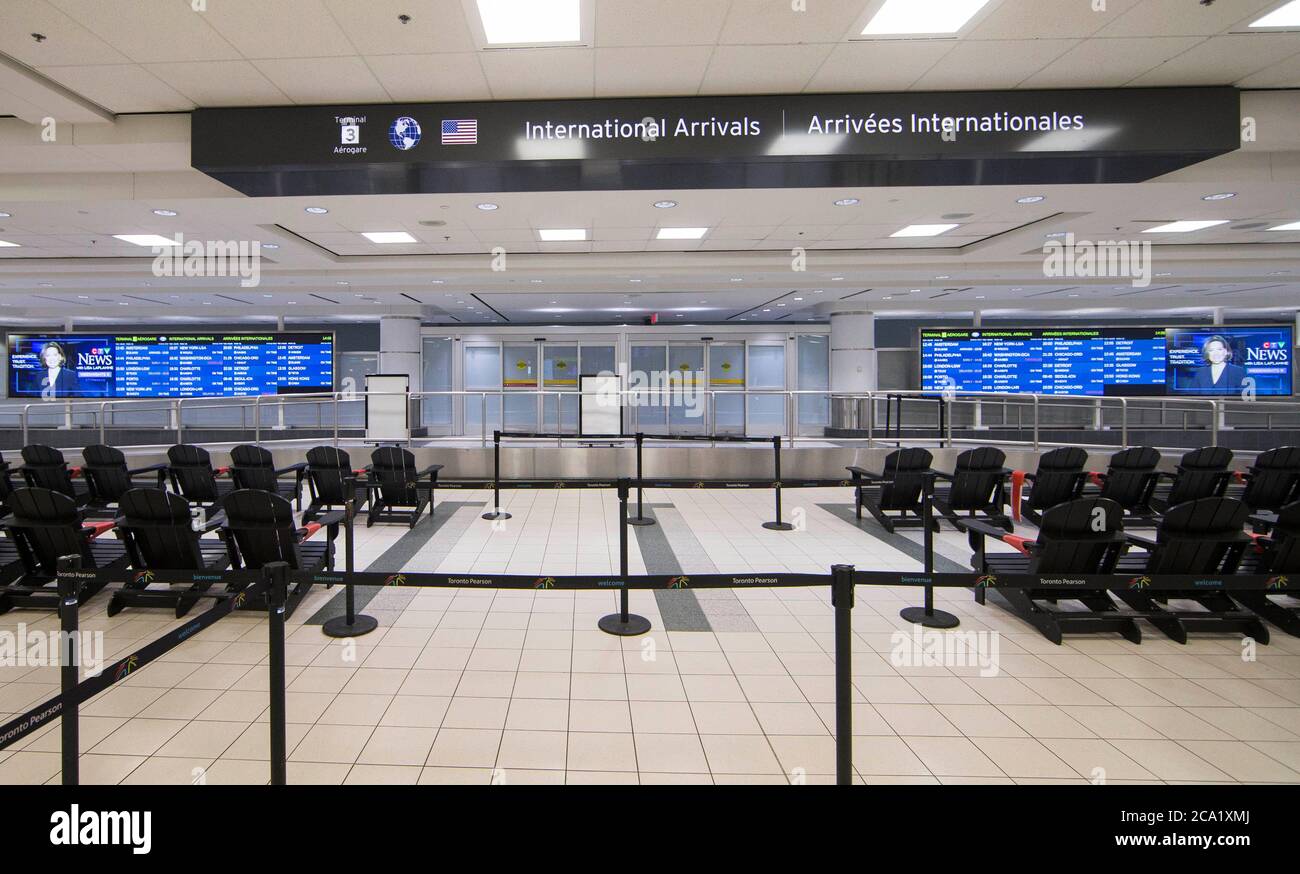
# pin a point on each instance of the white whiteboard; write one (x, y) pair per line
(388, 414)
(600, 409)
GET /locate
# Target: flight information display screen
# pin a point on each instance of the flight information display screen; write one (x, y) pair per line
(1117, 361)
(71, 366)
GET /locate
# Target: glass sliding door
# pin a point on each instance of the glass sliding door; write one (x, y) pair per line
(520, 378)
(649, 365)
(726, 382)
(482, 373)
(686, 384)
(814, 373)
(766, 412)
(436, 411)
(560, 374)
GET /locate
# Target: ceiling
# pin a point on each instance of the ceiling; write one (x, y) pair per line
(104, 60)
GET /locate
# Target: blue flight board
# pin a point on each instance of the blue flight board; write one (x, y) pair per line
(60, 366)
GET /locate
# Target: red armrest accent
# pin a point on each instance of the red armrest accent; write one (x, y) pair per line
(1017, 488)
(98, 528)
(74, 471)
(1239, 476)
(221, 471)
(1096, 478)
(362, 471)
(311, 528)
(1257, 540)
(1018, 542)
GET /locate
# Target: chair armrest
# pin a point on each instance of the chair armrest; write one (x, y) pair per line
(938, 474)
(1135, 540)
(864, 473)
(1096, 477)
(94, 529)
(153, 468)
(307, 531)
(431, 469)
(217, 521)
(221, 471)
(1265, 519)
(979, 527)
(74, 471)
(293, 468)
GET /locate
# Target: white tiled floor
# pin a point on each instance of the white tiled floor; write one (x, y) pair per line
(462, 686)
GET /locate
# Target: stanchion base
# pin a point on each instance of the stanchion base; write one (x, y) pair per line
(934, 619)
(641, 521)
(339, 627)
(778, 526)
(614, 624)
(500, 515)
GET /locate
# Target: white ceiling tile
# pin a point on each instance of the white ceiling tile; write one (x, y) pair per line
(153, 32)
(524, 74)
(432, 78)
(778, 22)
(1281, 75)
(650, 72)
(1035, 19)
(1181, 18)
(762, 69)
(67, 42)
(374, 29)
(323, 80)
(993, 63)
(282, 29)
(1108, 63)
(120, 88)
(878, 65)
(1223, 60)
(661, 23)
(219, 83)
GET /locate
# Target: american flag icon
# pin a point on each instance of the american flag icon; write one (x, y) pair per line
(459, 131)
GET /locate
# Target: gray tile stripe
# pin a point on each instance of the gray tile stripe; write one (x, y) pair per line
(397, 558)
(679, 609)
(721, 608)
(869, 526)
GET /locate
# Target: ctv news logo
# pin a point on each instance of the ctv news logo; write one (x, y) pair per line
(1268, 352)
(98, 357)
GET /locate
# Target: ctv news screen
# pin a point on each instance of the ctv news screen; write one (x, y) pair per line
(1108, 362)
(70, 366)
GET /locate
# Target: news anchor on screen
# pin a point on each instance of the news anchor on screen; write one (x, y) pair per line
(54, 379)
(1218, 375)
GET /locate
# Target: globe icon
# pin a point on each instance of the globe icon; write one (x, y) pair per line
(404, 133)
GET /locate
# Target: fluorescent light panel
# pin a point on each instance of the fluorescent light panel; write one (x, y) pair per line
(1184, 227)
(562, 235)
(6, 243)
(389, 237)
(923, 230)
(1283, 16)
(681, 233)
(531, 22)
(1289, 226)
(152, 240)
(922, 16)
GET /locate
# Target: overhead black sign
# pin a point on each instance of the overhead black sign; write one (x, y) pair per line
(948, 138)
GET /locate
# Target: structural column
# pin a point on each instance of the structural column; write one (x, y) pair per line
(399, 352)
(853, 356)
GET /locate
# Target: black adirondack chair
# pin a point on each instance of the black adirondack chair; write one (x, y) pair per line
(398, 490)
(331, 481)
(44, 467)
(252, 467)
(6, 483)
(1080, 537)
(1201, 473)
(976, 488)
(1273, 480)
(889, 495)
(1278, 555)
(1130, 480)
(160, 535)
(1060, 477)
(108, 478)
(1201, 537)
(44, 526)
(195, 479)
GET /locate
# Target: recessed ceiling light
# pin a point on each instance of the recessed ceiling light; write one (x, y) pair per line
(437, 281)
(681, 233)
(388, 237)
(798, 298)
(530, 22)
(270, 245)
(123, 303)
(1283, 16)
(837, 279)
(979, 297)
(1071, 295)
(665, 204)
(634, 280)
(317, 210)
(923, 230)
(943, 277)
(767, 310)
(164, 212)
(1056, 234)
(83, 297)
(1164, 274)
(1185, 227)
(562, 235)
(817, 291)
(7, 244)
(737, 279)
(922, 16)
(780, 304)
(1289, 226)
(1222, 196)
(487, 207)
(266, 295)
(46, 284)
(153, 240)
(1032, 198)
(847, 201)
(5, 215)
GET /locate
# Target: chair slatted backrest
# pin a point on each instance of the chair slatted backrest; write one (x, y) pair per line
(190, 468)
(106, 473)
(1202, 473)
(6, 482)
(904, 478)
(1200, 537)
(262, 528)
(394, 469)
(328, 470)
(1079, 537)
(44, 467)
(1284, 554)
(1274, 479)
(158, 530)
(47, 526)
(976, 478)
(1060, 477)
(251, 467)
(1131, 477)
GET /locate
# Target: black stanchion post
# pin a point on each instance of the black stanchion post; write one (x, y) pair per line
(928, 616)
(68, 658)
(640, 517)
(349, 624)
(276, 574)
(778, 524)
(497, 512)
(623, 623)
(842, 601)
